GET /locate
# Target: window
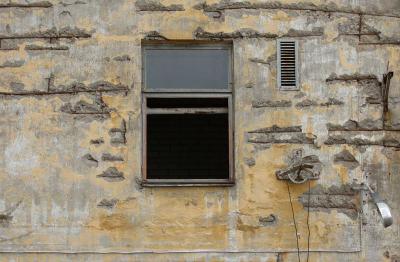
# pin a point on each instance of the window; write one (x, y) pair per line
(187, 114)
(288, 78)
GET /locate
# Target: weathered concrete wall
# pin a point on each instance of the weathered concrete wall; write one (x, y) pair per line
(70, 92)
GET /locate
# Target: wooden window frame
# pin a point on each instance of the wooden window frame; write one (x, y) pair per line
(187, 93)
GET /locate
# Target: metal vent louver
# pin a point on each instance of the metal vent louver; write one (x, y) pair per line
(287, 64)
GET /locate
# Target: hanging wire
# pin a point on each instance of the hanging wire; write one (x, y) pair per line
(308, 220)
(294, 221)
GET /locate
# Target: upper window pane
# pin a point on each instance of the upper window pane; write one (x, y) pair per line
(187, 68)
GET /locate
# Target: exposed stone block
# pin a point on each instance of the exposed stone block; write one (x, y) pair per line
(16, 63)
(46, 48)
(200, 33)
(97, 141)
(268, 220)
(65, 32)
(118, 134)
(277, 129)
(352, 125)
(112, 175)
(346, 158)
(108, 203)
(111, 158)
(270, 103)
(90, 160)
(40, 4)
(83, 107)
(298, 6)
(342, 199)
(154, 6)
(281, 138)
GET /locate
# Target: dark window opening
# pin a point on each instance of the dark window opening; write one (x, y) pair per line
(188, 146)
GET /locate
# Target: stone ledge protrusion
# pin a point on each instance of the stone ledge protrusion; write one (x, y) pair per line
(280, 135)
(156, 6)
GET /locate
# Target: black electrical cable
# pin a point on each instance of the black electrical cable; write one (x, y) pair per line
(308, 220)
(294, 221)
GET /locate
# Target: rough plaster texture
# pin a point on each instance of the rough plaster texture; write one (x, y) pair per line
(70, 132)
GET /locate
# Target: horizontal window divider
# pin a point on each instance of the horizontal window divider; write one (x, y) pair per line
(177, 91)
(200, 110)
(187, 182)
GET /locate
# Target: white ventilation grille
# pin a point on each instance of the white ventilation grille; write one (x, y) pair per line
(288, 65)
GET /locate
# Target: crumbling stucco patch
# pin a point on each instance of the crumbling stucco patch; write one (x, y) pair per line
(343, 199)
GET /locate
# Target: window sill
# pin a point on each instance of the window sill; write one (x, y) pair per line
(187, 183)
